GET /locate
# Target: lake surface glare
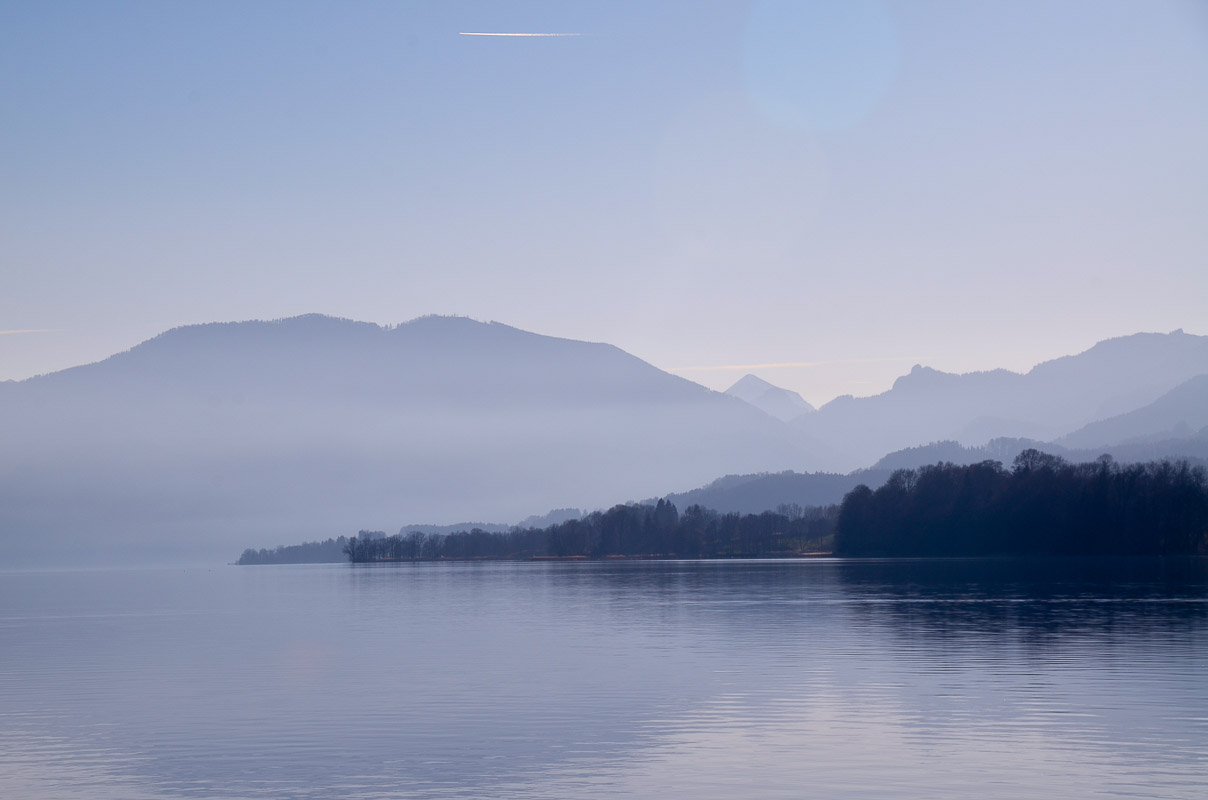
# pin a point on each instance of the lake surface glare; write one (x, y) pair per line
(721, 679)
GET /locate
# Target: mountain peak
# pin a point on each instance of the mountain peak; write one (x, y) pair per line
(782, 404)
(308, 425)
(919, 376)
(749, 383)
(1052, 399)
(1143, 347)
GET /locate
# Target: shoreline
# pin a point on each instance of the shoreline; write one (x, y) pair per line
(639, 557)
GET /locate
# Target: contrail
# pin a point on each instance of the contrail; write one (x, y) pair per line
(33, 330)
(472, 33)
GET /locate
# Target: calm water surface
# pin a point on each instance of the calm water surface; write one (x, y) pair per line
(792, 679)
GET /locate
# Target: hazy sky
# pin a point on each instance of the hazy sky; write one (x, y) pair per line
(844, 188)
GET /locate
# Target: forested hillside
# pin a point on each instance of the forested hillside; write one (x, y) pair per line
(1043, 505)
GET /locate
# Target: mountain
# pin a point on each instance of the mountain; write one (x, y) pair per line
(1004, 450)
(1180, 413)
(751, 494)
(211, 438)
(1051, 400)
(772, 400)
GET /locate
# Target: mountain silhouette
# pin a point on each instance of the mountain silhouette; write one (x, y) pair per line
(782, 404)
(752, 494)
(211, 438)
(1053, 399)
(1180, 413)
(228, 435)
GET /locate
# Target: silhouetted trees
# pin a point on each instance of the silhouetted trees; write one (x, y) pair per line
(305, 553)
(623, 530)
(417, 545)
(1042, 506)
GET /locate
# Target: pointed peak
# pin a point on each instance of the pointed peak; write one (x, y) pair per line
(748, 382)
(918, 373)
(784, 404)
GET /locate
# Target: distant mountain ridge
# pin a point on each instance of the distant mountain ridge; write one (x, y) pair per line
(255, 433)
(782, 404)
(210, 438)
(1053, 399)
(753, 493)
(1181, 412)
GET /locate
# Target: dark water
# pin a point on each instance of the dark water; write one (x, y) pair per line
(675, 679)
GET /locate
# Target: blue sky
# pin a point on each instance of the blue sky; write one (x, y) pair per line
(845, 188)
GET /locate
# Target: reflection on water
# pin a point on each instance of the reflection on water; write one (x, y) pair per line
(643, 679)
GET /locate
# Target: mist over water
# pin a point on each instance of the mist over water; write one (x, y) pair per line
(213, 438)
(642, 679)
(250, 267)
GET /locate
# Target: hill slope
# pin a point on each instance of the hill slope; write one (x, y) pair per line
(1051, 400)
(772, 400)
(1181, 412)
(249, 434)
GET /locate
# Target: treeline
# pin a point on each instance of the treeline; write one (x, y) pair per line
(1043, 505)
(422, 546)
(306, 553)
(657, 530)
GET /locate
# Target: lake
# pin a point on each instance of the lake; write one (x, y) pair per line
(717, 679)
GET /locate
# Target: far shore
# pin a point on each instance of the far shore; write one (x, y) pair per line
(644, 557)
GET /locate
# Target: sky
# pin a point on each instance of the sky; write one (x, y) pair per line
(832, 192)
